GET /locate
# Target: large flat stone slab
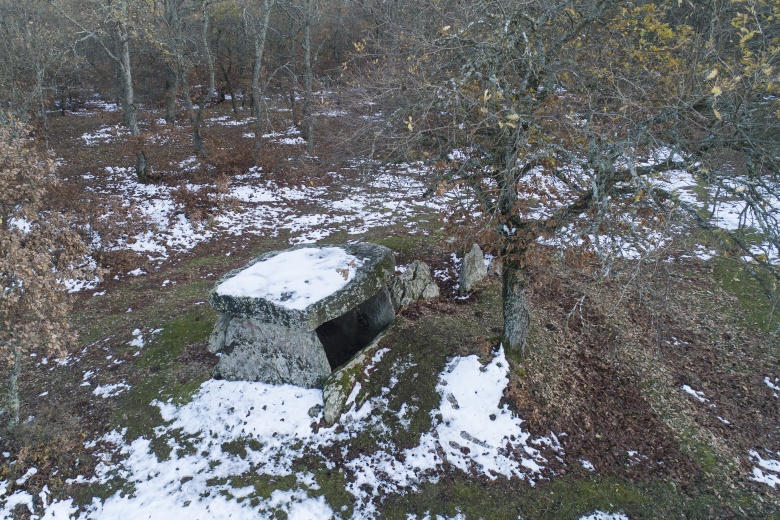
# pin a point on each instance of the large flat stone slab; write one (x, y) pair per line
(363, 270)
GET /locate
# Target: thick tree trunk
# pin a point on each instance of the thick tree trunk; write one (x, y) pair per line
(517, 317)
(516, 313)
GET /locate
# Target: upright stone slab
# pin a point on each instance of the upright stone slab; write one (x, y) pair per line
(472, 270)
(271, 353)
(278, 310)
(416, 283)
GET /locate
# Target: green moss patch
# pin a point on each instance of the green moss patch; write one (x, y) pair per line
(166, 377)
(758, 311)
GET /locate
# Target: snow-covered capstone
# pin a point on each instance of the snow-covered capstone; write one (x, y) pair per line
(289, 317)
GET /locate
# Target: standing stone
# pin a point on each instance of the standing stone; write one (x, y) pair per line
(416, 283)
(473, 270)
(272, 353)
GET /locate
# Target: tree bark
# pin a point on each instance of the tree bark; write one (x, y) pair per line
(171, 91)
(131, 118)
(308, 118)
(260, 34)
(517, 316)
(13, 386)
(516, 312)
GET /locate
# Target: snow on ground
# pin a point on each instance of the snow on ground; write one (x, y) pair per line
(294, 279)
(600, 515)
(264, 208)
(205, 474)
(105, 134)
(110, 390)
(766, 471)
(385, 195)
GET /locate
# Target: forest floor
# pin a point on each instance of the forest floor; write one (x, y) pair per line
(650, 392)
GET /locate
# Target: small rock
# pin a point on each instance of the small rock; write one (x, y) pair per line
(416, 283)
(315, 410)
(473, 270)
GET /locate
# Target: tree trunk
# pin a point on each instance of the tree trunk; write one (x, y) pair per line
(63, 94)
(257, 91)
(308, 118)
(517, 317)
(13, 386)
(171, 91)
(131, 119)
(196, 124)
(516, 313)
(40, 77)
(207, 52)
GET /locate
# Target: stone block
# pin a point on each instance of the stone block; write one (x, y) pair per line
(472, 270)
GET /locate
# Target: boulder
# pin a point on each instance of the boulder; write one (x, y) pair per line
(472, 270)
(416, 283)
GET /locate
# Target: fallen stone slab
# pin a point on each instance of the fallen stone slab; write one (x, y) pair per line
(341, 383)
(291, 317)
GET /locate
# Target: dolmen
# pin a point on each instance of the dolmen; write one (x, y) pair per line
(293, 316)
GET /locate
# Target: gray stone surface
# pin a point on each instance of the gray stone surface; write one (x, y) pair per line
(472, 270)
(416, 283)
(258, 340)
(217, 338)
(372, 276)
(341, 382)
(252, 350)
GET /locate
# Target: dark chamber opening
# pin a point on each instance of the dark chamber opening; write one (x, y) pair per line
(344, 336)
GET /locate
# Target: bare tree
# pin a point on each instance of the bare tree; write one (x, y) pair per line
(505, 96)
(257, 20)
(34, 49)
(113, 18)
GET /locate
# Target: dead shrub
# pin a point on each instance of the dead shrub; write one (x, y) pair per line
(205, 202)
(228, 156)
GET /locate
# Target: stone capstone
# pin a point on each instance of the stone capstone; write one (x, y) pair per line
(374, 273)
(416, 283)
(472, 270)
(258, 339)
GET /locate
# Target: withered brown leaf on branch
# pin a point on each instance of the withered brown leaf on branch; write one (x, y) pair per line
(39, 250)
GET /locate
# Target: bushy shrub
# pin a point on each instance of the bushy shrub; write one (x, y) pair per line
(38, 252)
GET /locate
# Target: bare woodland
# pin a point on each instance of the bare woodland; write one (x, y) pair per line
(553, 118)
